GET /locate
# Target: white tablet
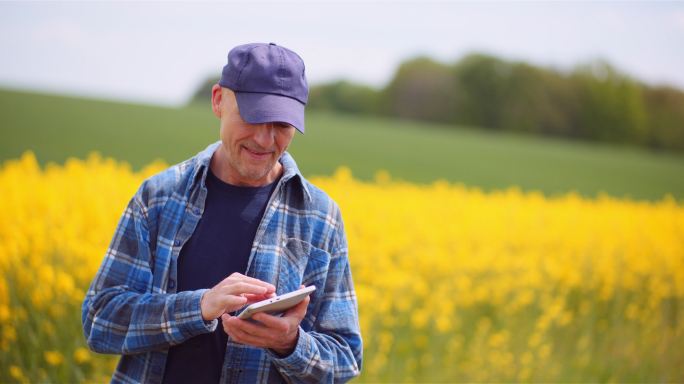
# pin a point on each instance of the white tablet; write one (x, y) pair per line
(278, 304)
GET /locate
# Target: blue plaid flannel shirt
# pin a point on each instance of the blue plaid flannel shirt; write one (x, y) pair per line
(133, 309)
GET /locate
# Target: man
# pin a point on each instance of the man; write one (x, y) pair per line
(233, 225)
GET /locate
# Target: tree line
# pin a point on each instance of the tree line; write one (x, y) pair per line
(594, 101)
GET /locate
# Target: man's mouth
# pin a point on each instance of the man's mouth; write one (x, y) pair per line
(257, 154)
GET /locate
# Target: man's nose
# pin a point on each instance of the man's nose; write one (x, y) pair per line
(264, 135)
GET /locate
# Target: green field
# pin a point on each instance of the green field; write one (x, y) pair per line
(58, 127)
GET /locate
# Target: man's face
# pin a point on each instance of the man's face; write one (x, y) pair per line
(249, 153)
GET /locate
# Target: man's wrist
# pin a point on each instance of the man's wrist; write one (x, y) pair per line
(285, 352)
(202, 306)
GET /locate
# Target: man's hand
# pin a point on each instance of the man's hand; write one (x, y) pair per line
(277, 333)
(231, 294)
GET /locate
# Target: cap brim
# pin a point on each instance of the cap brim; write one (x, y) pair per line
(258, 108)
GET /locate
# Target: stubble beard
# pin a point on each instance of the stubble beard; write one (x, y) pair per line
(252, 172)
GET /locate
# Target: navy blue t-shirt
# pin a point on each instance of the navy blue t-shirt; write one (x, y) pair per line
(219, 246)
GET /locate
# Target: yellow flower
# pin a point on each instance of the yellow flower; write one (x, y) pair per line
(419, 318)
(4, 313)
(81, 355)
(443, 324)
(53, 358)
(16, 373)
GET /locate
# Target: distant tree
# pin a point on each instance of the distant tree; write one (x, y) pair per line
(538, 101)
(421, 89)
(345, 97)
(665, 107)
(611, 104)
(515, 96)
(482, 84)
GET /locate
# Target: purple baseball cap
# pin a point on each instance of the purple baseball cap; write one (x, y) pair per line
(269, 83)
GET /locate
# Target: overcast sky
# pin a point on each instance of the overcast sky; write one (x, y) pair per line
(158, 52)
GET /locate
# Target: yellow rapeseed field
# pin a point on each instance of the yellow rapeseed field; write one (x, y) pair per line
(454, 284)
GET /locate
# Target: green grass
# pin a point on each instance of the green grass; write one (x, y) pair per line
(58, 127)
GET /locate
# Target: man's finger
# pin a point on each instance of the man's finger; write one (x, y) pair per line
(237, 277)
(251, 298)
(254, 329)
(273, 322)
(232, 302)
(243, 287)
(245, 332)
(245, 338)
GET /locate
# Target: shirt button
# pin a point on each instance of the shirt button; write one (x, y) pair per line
(196, 211)
(176, 243)
(172, 283)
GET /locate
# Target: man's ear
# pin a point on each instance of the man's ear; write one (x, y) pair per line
(216, 97)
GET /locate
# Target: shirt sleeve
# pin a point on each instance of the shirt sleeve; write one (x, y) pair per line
(332, 350)
(120, 313)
